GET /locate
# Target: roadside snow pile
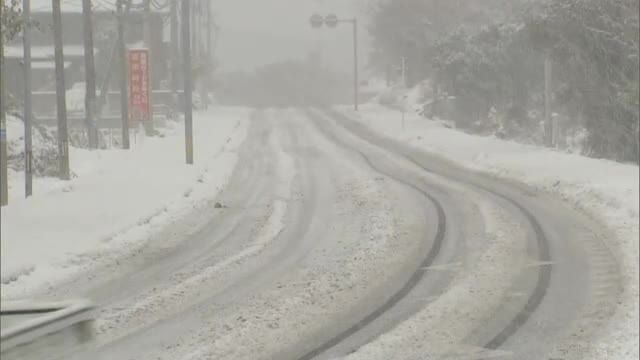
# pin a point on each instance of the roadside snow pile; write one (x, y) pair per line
(413, 100)
(116, 201)
(606, 190)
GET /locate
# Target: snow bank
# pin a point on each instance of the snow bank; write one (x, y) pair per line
(115, 202)
(606, 190)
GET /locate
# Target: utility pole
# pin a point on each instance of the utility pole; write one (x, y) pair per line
(147, 23)
(548, 127)
(4, 186)
(209, 34)
(114, 61)
(63, 136)
(148, 125)
(355, 64)
(188, 83)
(209, 55)
(174, 52)
(193, 20)
(90, 76)
(28, 111)
(404, 85)
(124, 91)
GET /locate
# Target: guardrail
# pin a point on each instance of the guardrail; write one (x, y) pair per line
(44, 330)
(107, 121)
(44, 109)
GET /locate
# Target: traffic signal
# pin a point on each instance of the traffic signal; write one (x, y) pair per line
(316, 21)
(331, 20)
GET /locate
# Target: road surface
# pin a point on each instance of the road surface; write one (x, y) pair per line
(334, 241)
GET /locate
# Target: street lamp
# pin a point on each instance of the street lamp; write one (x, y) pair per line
(332, 21)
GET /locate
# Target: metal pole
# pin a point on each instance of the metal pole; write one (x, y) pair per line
(548, 128)
(90, 76)
(209, 55)
(556, 131)
(188, 86)
(147, 23)
(209, 35)
(148, 125)
(63, 136)
(194, 30)
(28, 111)
(174, 52)
(114, 61)
(404, 84)
(4, 186)
(124, 95)
(355, 64)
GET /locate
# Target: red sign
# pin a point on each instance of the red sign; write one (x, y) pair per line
(139, 87)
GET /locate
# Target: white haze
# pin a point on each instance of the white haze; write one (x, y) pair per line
(258, 32)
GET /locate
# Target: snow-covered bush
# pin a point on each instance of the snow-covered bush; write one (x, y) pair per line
(44, 148)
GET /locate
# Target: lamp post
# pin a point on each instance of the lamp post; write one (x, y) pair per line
(332, 21)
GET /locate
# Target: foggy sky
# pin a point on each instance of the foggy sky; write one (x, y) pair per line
(258, 32)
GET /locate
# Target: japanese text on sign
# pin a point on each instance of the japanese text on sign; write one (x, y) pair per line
(139, 98)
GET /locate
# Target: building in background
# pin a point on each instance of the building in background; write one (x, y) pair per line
(104, 20)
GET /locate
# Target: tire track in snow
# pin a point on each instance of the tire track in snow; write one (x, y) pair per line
(542, 242)
(415, 278)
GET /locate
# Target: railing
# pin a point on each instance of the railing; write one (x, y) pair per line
(44, 330)
(44, 108)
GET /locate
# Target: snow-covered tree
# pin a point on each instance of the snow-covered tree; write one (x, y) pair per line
(10, 19)
(489, 54)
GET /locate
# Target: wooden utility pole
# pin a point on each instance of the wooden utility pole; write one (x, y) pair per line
(90, 105)
(28, 111)
(188, 81)
(63, 136)
(174, 52)
(4, 186)
(124, 91)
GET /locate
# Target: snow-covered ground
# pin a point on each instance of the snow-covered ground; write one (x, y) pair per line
(605, 190)
(115, 201)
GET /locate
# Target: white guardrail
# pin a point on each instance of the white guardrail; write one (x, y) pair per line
(43, 331)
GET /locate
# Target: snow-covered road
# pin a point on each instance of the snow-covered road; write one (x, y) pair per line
(337, 242)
